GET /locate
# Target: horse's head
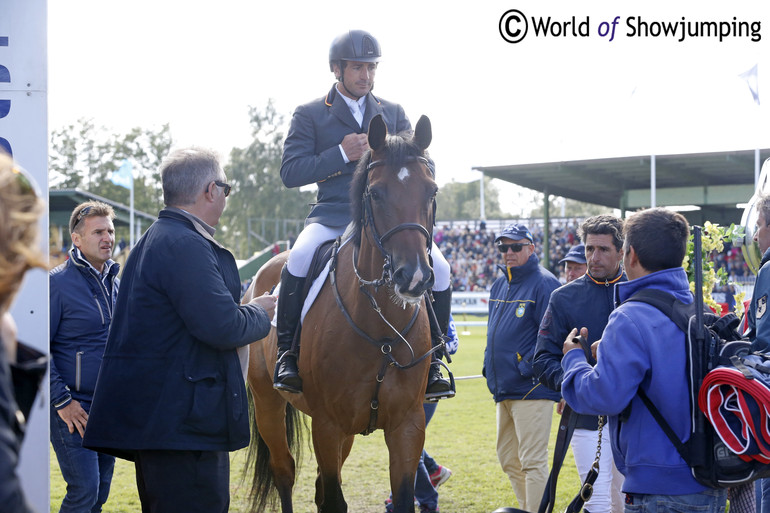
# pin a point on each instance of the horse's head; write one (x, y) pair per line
(393, 196)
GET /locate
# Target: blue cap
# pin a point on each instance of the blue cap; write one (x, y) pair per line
(515, 232)
(575, 254)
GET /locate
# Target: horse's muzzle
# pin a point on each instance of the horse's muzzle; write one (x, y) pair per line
(411, 281)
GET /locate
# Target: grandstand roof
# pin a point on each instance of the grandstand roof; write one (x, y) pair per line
(715, 182)
(61, 202)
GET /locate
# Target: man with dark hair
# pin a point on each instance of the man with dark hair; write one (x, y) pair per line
(641, 348)
(326, 138)
(586, 301)
(83, 291)
(171, 391)
(517, 302)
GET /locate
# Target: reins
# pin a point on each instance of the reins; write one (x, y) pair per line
(384, 344)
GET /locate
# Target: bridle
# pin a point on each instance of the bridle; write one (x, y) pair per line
(379, 241)
(386, 279)
(385, 344)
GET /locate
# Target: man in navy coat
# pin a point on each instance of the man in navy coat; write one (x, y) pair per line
(171, 390)
(326, 138)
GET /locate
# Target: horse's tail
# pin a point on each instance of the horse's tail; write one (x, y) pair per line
(263, 493)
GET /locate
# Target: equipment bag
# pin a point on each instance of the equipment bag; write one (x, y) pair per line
(710, 344)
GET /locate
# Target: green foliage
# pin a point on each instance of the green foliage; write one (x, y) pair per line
(85, 156)
(713, 238)
(461, 201)
(258, 192)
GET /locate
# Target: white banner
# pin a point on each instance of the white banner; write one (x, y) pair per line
(470, 302)
(24, 131)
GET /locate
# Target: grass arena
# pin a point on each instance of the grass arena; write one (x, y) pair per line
(461, 436)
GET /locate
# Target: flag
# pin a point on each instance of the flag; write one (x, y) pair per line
(751, 79)
(124, 176)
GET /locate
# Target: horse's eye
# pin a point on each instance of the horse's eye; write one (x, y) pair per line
(376, 196)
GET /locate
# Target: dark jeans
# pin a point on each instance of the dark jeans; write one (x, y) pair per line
(88, 474)
(189, 481)
(763, 495)
(709, 501)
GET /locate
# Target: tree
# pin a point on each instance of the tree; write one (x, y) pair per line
(258, 192)
(84, 156)
(461, 201)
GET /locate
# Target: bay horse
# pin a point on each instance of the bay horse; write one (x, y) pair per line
(365, 342)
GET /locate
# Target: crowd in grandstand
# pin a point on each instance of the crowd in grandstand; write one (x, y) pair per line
(473, 257)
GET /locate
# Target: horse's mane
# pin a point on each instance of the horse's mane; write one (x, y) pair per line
(397, 148)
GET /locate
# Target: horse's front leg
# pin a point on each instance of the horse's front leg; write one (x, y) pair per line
(347, 445)
(331, 449)
(405, 444)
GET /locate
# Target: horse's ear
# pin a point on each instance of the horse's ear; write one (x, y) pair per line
(377, 132)
(423, 133)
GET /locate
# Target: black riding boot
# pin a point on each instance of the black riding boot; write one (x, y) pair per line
(438, 387)
(289, 308)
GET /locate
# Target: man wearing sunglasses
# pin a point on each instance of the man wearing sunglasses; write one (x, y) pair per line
(517, 302)
(170, 394)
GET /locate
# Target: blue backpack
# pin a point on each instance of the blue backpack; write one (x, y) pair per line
(715, 350)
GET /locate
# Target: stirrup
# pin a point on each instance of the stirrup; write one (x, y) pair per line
(443, 394)
(291, 383)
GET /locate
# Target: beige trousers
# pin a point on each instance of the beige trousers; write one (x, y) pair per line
(523, 431)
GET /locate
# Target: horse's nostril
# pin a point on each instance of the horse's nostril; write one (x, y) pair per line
(400, 277)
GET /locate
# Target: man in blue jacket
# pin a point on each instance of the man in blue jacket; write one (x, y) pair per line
(642, 348)
(585, 301)
(517, 302)
(82, 297)
(758, 318)
(171, 391)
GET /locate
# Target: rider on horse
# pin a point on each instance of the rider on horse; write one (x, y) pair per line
(325, 141)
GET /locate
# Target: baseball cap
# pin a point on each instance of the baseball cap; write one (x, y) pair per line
(515, 232)
(575, 254)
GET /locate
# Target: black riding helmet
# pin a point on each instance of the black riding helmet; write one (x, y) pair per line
(354, 45)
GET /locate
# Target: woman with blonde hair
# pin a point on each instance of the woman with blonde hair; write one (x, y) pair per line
(20, 210)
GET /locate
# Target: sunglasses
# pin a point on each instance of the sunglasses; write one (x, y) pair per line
(227, 187)
(515, 247)
(83, 213)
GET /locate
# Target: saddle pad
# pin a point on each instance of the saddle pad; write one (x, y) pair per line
(312, 292)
